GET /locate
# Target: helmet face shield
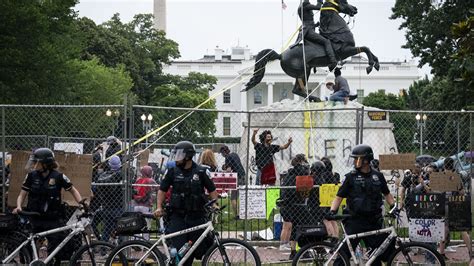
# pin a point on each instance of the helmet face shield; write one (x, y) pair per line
(30, 164)
(177, 155)
(356, 161)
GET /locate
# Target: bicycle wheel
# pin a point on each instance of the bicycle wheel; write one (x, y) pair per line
(237, 252)
(95, 254)
(317, 254)
(8, 245)
(129, 252)
(416, 254)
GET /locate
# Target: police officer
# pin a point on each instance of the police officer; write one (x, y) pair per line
(188, 197)
(363, 187)
(43, 187)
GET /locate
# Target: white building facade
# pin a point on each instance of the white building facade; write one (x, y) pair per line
(235, 69)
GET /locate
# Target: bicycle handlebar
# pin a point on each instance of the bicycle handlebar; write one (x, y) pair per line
(27, 213)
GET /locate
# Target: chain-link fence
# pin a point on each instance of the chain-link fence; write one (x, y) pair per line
(267, 186)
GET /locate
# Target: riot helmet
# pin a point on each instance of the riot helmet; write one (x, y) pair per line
(360, 153)
(44, 156)
(183, 150)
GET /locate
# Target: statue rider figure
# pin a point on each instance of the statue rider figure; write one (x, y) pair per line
(305, 12)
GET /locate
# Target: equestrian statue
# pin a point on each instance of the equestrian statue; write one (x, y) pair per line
(334, 42)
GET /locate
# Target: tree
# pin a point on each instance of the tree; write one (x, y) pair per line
(137, 45)
(94, 83)
(187, 92)
(37, 39)
(428, 28)
(384, 101)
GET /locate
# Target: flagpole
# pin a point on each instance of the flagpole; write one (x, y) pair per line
(281, 9)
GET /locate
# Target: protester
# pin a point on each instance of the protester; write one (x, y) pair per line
(110, 195)
(341, 88)
(294, 205)
(145, 193)
(266, 174)
(233, 164)
(443, 245)
(208, 159)
(114, 147)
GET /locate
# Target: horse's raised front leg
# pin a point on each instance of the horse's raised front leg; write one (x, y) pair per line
(350, 51)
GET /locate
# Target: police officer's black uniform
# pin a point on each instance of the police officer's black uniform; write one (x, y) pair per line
(187, 199)
(44, 196)
(363, 192)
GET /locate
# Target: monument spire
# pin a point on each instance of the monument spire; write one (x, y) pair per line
(159, 13)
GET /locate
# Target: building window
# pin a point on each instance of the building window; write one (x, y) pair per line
(226, 126)
(257, 97)
(360, 96)
(283, 94)
(382, 90)
(227, 96)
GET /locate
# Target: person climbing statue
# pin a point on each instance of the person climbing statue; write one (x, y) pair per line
(305, 12)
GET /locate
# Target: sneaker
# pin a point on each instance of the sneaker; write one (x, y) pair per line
(449, 249)
(285, 246)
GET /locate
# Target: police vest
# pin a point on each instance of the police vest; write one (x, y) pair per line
(45, 194)
(366, 198)
(188, 190)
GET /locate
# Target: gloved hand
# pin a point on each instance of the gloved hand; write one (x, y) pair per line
(331, 216)
(394, 210)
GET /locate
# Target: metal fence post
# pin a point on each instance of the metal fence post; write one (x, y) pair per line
(357, 126)
(247, 170)
(4, 190)
(361, 126)
(126, 177)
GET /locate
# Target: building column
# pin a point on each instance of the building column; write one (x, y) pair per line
(243, 99)
(270, 92)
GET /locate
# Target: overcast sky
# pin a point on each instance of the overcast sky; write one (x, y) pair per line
(198, 26)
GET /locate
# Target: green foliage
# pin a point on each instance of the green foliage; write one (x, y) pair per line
(384, 101)
(93, 83)
(136, 45)
(187, 92)
(428, 30)
(37, 39)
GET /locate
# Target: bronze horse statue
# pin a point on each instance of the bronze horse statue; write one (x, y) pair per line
(333, 27)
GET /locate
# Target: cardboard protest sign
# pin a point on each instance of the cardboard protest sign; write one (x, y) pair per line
(426, 230)
(459, 213)
(272, 195)
(78, 167)
(445, 182)
(397, 161)
(224, 181)
(327, 193)
(254, 201)
(426, 205)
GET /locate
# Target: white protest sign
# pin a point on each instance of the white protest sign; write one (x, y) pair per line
(70, 147)
(256, 207)
(426, 230)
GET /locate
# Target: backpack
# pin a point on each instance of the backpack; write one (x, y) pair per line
(142, 194)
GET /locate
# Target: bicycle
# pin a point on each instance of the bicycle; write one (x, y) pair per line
(406, 253)
(222, 252)
(19, 252)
